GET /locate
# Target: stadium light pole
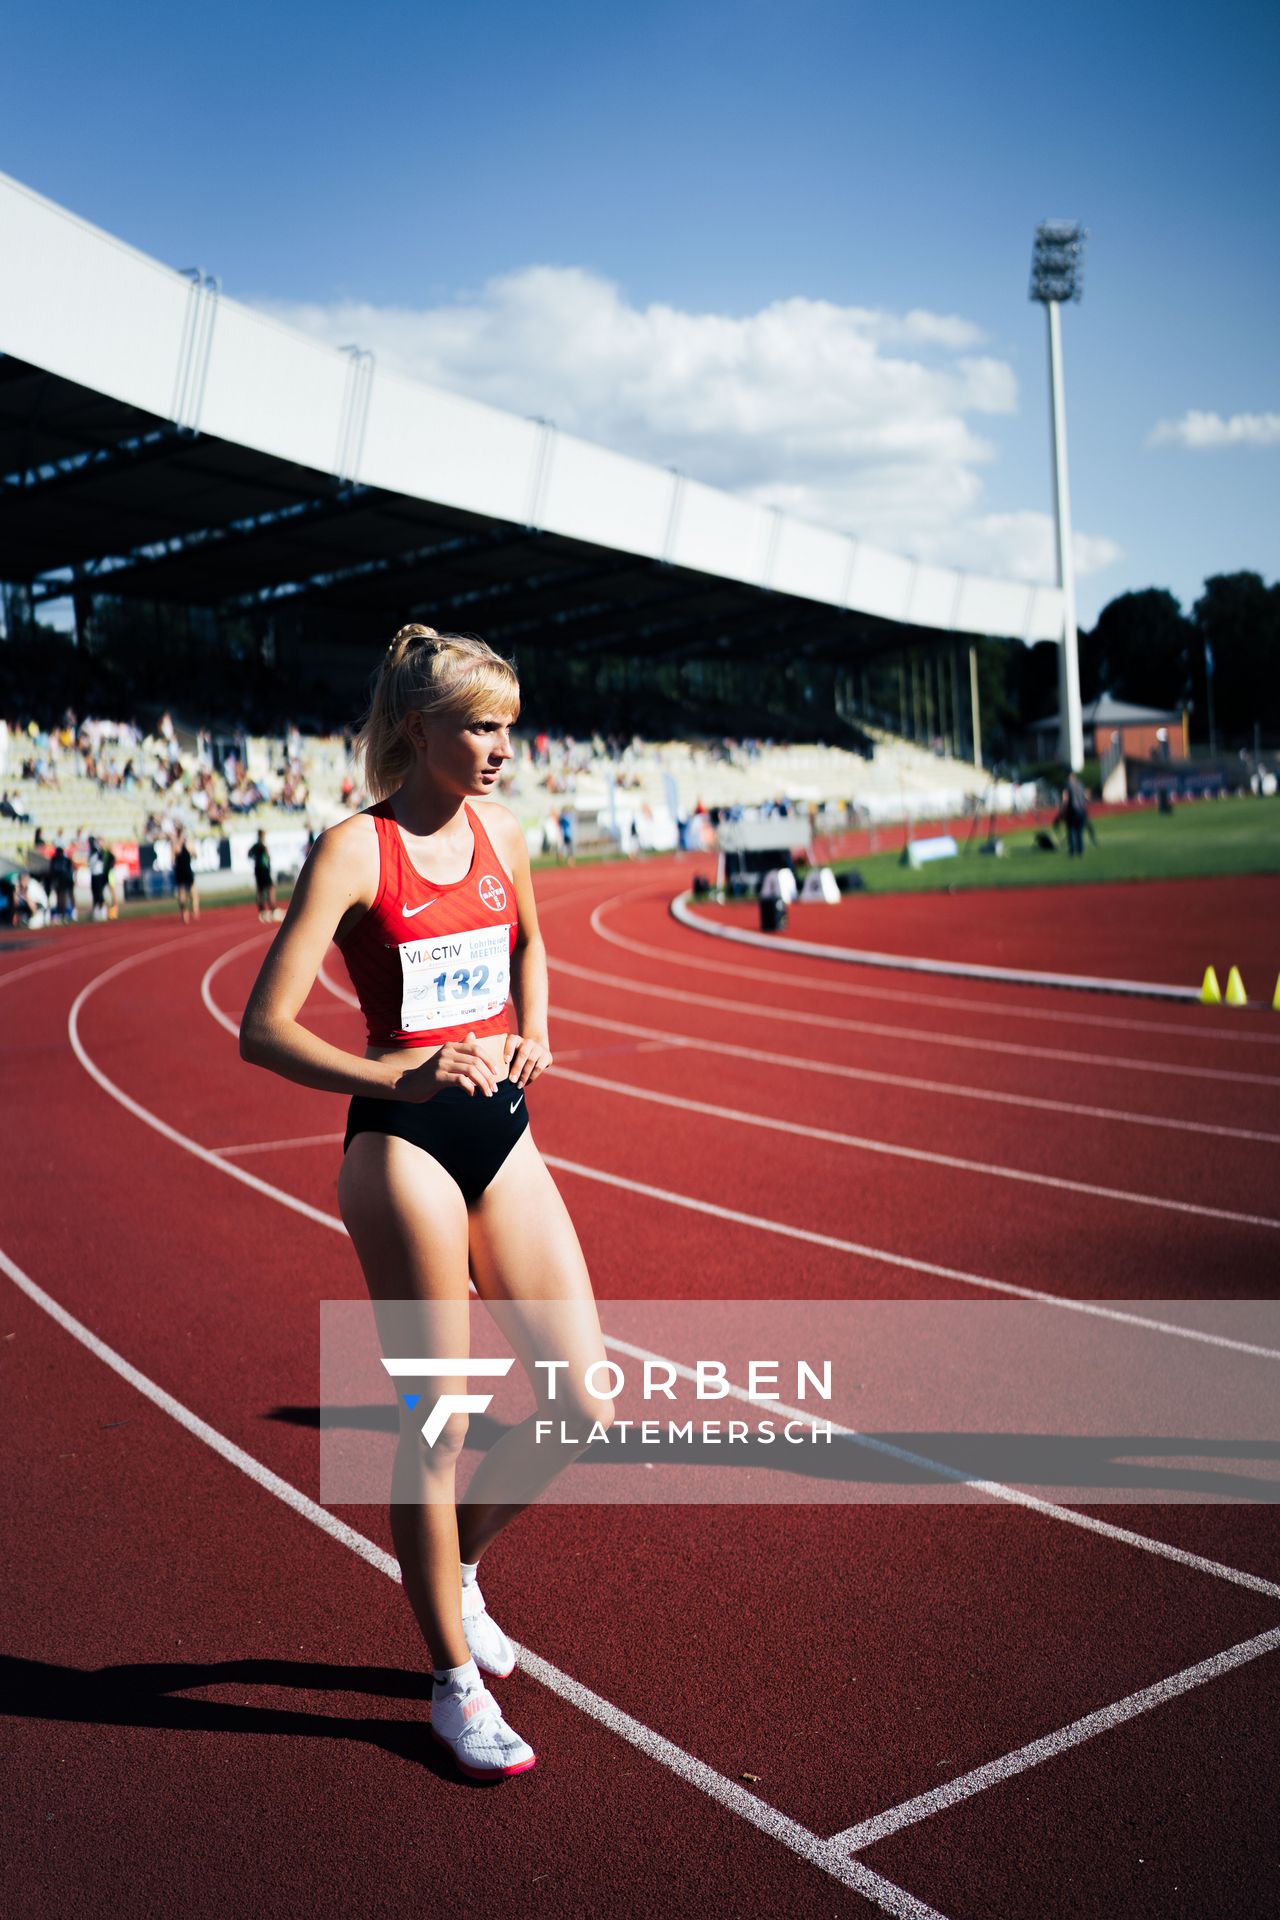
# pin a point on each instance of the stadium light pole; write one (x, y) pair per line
(1056, 274)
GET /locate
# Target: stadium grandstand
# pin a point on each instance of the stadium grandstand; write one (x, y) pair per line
(228, 519)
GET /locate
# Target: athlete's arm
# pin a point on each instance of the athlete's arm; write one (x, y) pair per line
(338, 876)
(527, 1051)
(338, 881)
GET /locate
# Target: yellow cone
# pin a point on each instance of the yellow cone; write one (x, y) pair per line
(1210, 992)
(1275, 998)
(1235, 995)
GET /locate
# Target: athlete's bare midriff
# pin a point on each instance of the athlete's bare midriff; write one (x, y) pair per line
(490, 1045)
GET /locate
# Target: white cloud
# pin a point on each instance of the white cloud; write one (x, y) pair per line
(1024, 546)
(1200, 430)
(848, 416)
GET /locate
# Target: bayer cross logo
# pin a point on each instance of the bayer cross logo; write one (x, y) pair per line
(447, 1403)
(493, 893)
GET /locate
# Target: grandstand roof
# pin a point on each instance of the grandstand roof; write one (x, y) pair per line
(160, 440)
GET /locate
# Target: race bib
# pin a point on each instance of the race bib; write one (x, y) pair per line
(454, 979)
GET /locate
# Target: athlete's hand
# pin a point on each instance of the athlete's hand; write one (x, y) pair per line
(459, 1063)
(526, 1057)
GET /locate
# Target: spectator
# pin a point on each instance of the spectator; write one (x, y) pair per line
(62, 882)
(566, 835)
(184, 878)
(1074, 814)
(260, 857)
(98, 877)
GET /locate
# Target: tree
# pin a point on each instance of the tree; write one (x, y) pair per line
(1237, 619)
(1141, 650)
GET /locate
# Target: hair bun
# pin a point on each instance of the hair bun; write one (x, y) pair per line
(414, 632)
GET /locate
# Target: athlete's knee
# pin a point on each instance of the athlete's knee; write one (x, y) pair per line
(445, 1446)
(582, 1409)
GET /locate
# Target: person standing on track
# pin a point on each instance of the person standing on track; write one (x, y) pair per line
(264, 881)
(441, 1181)
(97, 878)
(1074, 814)
(184, 878)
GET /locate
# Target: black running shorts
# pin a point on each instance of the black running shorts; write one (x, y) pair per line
(469, 1134)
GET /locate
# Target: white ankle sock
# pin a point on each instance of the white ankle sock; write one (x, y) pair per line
(462, 1676)
(469, 1572)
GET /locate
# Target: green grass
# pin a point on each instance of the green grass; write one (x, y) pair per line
(1200, 837)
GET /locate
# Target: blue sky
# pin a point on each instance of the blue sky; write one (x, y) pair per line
(811, 176)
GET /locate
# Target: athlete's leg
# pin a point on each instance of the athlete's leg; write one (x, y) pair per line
(408, 1224)
(524, 1250)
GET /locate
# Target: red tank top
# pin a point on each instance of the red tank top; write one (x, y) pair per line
(432, 963)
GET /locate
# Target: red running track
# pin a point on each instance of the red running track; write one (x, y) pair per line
(214, 1705)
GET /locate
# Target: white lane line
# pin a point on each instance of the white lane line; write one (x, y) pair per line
(996, 1489)
(211, 973)
(154, 1121)
(759, 1223)
(834, 1068)
(1055, 1107)
(859, 1143)
(809, 1846)
(1012, 1496)
(335, 987)
(910, 963)
(917, 1036)
(279, 1146)
(865, 1834)
(1077, 1017)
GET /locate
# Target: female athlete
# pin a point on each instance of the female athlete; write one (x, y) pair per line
(441, 1182)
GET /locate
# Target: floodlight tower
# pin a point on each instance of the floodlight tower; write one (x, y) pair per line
(1056, 274)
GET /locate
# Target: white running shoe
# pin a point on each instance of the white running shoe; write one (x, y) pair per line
(490, 1648)
(468, 1720)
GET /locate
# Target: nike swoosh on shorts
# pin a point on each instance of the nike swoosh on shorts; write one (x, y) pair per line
(409, 912)
(516, 1103)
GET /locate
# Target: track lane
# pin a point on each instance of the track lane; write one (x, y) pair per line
(286, 1089)
(640, 928)
(1113, 931)
(265, 1729)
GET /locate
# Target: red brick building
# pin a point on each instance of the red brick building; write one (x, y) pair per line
(1117, 727)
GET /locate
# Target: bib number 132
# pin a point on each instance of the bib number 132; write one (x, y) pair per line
(454, 979)
(463, 982)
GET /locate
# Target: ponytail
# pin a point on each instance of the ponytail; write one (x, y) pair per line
(436, 674)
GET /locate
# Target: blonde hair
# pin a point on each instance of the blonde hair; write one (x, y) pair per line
(445, 674)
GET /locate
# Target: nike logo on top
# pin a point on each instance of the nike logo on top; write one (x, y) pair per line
(409, 912)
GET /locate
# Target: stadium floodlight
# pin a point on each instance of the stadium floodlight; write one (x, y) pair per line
(1057, 265)
(1057, 271)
